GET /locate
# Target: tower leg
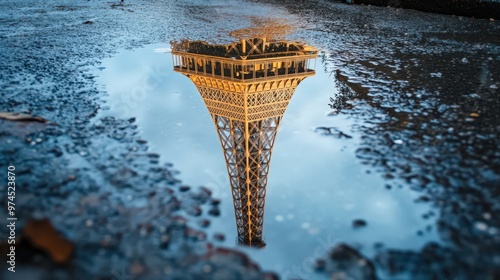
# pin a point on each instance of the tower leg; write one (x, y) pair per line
(247, 150)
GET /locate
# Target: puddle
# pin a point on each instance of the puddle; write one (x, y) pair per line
(316, 185)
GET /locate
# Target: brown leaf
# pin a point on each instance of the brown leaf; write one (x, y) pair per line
(44, 236)
(11, 116)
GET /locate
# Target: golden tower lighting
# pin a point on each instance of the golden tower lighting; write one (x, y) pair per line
(246, 86)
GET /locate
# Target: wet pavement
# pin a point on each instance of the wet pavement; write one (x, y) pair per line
(401, 125)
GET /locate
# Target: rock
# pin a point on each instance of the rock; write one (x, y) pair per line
(204, 223)
(214, 201)
(203, 195)
(195, 235)
(214, 211)
(193, 210)
(345, 262)
(358, 223)
(164, 241)
(270, 276)
(219, 236)
(320, 265)
(432, 262)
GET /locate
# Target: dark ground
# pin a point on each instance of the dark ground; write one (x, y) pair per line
(430, 81)
(468, 8)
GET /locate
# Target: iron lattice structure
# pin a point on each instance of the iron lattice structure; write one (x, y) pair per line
(246, 87)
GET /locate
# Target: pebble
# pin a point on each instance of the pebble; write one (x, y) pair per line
(358, 223)
(481, 226)
(214, 212)
(215, 201)
(88, 223)
(204, 223)
(219, 236)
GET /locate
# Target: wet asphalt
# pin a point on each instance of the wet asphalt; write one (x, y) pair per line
(424, 88)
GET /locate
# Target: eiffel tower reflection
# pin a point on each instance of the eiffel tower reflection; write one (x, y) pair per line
(246, 86)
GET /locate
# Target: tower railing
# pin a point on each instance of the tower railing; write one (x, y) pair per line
(244, 70)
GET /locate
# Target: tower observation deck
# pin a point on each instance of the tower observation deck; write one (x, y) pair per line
(246, 86)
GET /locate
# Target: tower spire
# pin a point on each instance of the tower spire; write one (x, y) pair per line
(246, 87)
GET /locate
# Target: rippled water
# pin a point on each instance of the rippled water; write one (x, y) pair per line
(317, 186)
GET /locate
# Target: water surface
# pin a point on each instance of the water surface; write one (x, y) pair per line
(316, 188)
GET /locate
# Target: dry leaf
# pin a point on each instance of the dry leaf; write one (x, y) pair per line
(20, 117)
(44, 236)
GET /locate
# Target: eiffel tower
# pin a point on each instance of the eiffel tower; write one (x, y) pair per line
(246, 86)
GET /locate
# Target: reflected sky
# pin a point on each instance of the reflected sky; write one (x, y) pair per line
(316, 186)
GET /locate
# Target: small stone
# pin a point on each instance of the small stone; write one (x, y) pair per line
(219, 237)
(164, 241)
(194, 211)
(378, 245)
(345, 260)
(481, 226)
(204, 223)
(215, 201)
(270, 276)
(196, 235)
(207, 268)
(214, 212)
(358, 223)
(320, 265)
(184, 188)
(136, 268)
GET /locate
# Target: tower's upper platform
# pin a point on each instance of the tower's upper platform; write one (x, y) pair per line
(247, 60)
